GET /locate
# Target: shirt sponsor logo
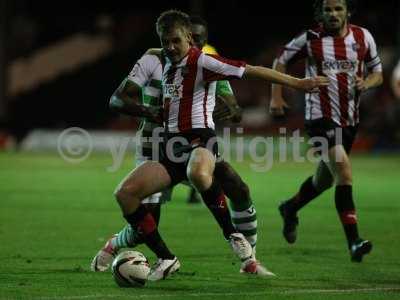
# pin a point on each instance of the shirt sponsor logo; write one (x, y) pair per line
(339, 66)
(172, 91)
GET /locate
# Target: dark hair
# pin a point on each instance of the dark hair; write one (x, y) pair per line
(197, 20)
(170, 18)
(350, 4)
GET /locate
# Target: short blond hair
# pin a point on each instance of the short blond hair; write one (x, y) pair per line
(170, 18)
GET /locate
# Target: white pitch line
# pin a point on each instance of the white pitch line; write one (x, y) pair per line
(292, 292)
(341, 291)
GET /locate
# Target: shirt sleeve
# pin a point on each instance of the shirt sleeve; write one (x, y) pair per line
(217, 68)
(142, 71)
(372, 59)
(295, 50)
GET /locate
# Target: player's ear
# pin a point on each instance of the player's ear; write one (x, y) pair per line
(189, 36)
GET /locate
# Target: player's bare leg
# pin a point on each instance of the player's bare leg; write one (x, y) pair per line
(126, 238)
(339, 164)
(243, 212)
(201, 168)
(200, 173)
(239, 194)
(145, 180)
(309, 190)
(338, 170)
(149, 178)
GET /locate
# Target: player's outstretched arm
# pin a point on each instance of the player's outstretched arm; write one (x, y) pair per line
(278, 104)
(270, 75)
(125, 100)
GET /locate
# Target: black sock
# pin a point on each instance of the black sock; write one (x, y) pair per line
(155, 210)
(157, 245)
(306, 193)
(144, 223)
(347, 212)
(214, 198)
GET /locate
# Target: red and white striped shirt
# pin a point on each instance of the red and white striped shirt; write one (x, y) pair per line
(189, 89)
(341, 59)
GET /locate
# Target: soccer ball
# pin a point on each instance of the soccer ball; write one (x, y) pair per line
(130, 269)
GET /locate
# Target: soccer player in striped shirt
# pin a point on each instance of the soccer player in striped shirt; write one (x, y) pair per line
(343, 52)
(243, 211)
(226, 107)
(147, 75)
(188, 88)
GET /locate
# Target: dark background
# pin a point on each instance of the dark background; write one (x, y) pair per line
(249, 30)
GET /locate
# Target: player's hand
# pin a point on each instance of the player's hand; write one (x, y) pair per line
(237, 114)
(224, 112)
(277, 107)
(312, 84)
(360, 84)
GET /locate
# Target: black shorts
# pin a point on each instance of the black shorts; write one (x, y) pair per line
(332, 132)
(176, 149)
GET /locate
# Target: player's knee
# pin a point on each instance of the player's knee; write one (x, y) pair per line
(200, 179)
(119, 195)
(125, 193)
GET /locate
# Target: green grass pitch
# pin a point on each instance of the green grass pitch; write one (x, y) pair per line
(54, 216)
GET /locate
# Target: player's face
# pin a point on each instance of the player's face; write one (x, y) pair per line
(176, 43)
(199, 35)
(334, 15)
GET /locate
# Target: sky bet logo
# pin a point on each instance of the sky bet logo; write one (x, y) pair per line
(172, 91)
(339, 66)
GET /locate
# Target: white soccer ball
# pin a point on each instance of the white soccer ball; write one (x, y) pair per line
(130, 269)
